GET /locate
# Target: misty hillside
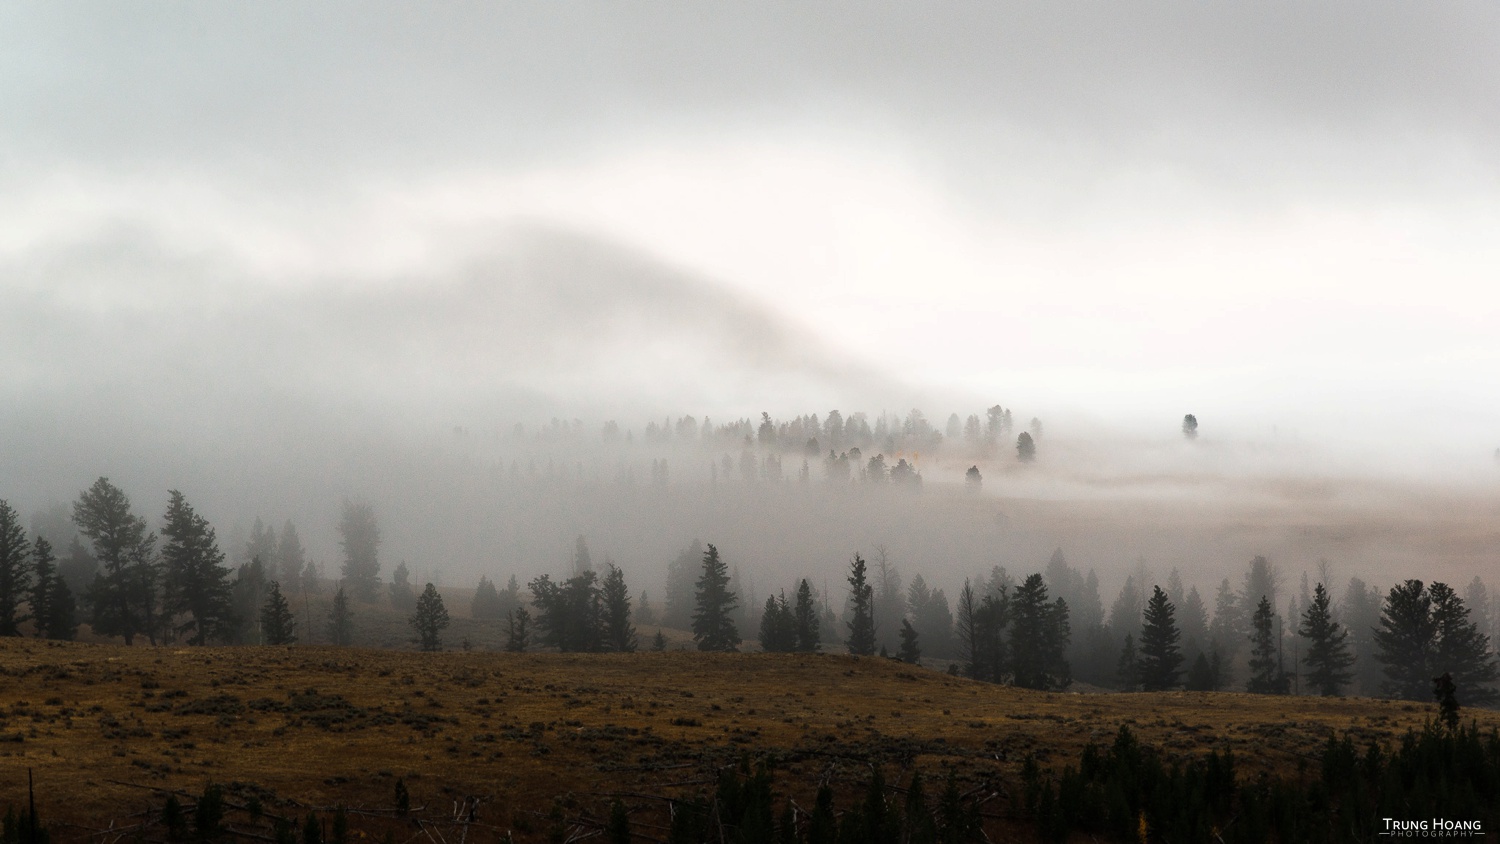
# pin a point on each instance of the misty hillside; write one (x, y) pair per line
(506, 328)
(473, 407)
(168, 368)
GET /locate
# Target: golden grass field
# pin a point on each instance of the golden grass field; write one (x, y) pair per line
(106, 730)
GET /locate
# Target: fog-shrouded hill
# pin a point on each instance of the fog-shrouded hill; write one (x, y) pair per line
(549, 386)
(163, 367)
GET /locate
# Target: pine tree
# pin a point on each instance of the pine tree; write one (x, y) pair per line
(1128, 667)
(1039, 637)
(570, 616)
(1229, 627)
(1328, 659)
(486, 603)
(402, 596)
(262, 543)
(805, 619)
(645, 611)
(1266, 676)
(1160, 658)
(778, 626)
(1205, 673)
(659, 642)
(430, 619)
(1360, 611)
(1404, 641)
(932, 617)
(291, 559)
(1025, 448)
(341, 621)
(677, 612)
(277, 624)
(861, 641)
(973, 481)
(247, 594)
(910, 651)
(1462, 650)
(44, 569)
(619, 635)
(52, 605)
(122, 594)
(15, 570)
(1262, 580)
(361, 544)
(517, 630)
(713, 621)
(195, 578)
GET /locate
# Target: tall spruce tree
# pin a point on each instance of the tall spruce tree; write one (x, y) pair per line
(486, 603)
(341, 620)
(1404, 641)
(1462, 650)
(360, 541)
(291, 558)
(1328, 657)
(1229, 627)
(262, 544)
(15, 570)
(194, 575)
(1039, 637)
(1160, 656)
(778, 626)
(1266, 674)
(619, 632)
(805, 617)
(713, 620)
(430, 619)
(861, 641)
(277, 623)
(677, 610)
(1360, 611)
(932, 617)
(246, 596)
(122, 596)
(43, 569)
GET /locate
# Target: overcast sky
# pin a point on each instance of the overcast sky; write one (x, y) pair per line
(1270, 213)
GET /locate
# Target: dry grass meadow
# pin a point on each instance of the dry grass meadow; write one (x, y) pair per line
(108, 731)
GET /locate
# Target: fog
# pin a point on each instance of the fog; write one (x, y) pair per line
(277, 257)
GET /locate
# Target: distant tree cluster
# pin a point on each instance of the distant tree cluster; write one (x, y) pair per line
(788, 628)
(169, 585)
(580, 614)
(1014, 633)
(881, 451)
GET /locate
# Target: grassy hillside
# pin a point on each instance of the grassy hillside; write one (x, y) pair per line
(101, 726)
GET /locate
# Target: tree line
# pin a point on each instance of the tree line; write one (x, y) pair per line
(174, 585)
(1045, 631)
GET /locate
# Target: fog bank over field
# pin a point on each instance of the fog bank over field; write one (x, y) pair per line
(472, 408)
